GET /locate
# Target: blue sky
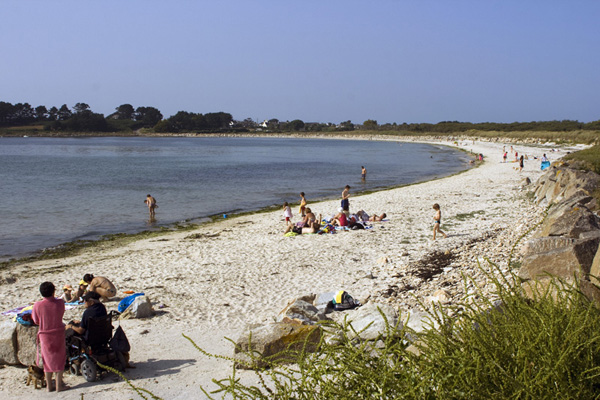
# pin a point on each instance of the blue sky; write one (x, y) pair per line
(319, 61)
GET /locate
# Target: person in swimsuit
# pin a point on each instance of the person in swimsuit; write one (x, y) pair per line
(345, 197)
(100, 285)
(437, 221)
(377, 218)
(521, 163)
(363, 173)
(302, 210)
(151, 203)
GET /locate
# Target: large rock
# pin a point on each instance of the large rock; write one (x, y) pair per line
(301, 311)
(26, 344)
(544, 244)
(8, 343)
(574, 260)
(595, 269)
(368, 323)
(550, 286)
(562, 182)
(272, 342)
(570, 219)
(141, 307)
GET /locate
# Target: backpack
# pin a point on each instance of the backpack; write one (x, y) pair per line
(343, 301)
(119, 341)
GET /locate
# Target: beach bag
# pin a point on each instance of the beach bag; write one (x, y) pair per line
(126, 302)
(119, 341)
(343, 301)
(25, 318)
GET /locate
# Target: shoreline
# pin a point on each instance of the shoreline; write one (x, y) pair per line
(72, 247)
(216, 279)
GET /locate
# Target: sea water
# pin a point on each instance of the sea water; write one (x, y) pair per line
(55, 190)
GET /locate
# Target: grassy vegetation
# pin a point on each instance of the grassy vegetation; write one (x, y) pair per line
(588, 159)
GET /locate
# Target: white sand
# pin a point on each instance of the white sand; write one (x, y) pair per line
(245, 270)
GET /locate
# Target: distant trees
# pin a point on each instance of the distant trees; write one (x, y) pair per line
(127, 118)
(185, 121)
(370, 124)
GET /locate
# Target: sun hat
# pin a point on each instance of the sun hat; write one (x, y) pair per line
(82, 282)
(67, 287)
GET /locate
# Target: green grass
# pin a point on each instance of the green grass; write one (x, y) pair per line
(465, 216)
(588, 159)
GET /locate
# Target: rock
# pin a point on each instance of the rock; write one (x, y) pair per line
(550, 286)
(271, 340)
(8, 343)
(324, 298)
(302, 312)
(544, 244)
(567, 261)
(570, 219)
(439, 296)
(141, 307)
(595, 269)
(382, 260)
(26, 344)
(369, 324)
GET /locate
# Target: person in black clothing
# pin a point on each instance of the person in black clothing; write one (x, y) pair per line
(93, 309)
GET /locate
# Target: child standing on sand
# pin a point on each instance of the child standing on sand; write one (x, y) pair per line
(302, 209)
(437, 221)
(287, 213)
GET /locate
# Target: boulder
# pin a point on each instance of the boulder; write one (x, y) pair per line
(368, 323)
(550, 286)
(141, 307)
(595, 269)
(272, 342)
(302, 312)
(26, 344)
(574, 260)
(8, 343)
(544, 244)
(570, 219)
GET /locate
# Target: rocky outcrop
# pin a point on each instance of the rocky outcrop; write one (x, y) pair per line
(562, 182)
(8, 343)
(567, 244)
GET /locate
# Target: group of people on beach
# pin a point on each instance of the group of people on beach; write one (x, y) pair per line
(520, 159)
(310, 223)
(53, 333)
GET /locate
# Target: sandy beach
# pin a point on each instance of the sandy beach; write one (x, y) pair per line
(209, 283)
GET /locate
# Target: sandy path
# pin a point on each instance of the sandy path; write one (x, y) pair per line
(243, 270)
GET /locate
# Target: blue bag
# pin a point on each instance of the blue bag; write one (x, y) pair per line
(126, 302)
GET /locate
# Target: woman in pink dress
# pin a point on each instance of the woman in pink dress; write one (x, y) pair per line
(48, 314)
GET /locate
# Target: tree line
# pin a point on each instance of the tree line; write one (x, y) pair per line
(127, 118)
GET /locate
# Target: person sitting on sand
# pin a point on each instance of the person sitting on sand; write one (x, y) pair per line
(80, 290)
(309, 219)
(100, 285)
(376, 218)
(340, 219)
(312, 227)
(68, 295)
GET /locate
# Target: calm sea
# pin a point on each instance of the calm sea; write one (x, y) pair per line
(57, 190)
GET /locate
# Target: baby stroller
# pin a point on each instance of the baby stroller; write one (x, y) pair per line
(83, 356)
